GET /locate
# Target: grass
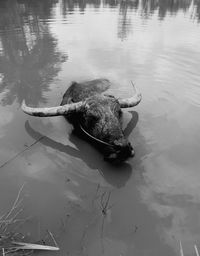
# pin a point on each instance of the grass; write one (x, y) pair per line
(13, 242)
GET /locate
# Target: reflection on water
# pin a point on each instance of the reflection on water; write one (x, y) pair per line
(145, 7)
(29, 60)
(148, 204)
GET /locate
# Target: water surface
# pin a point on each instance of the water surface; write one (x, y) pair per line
(151, 202)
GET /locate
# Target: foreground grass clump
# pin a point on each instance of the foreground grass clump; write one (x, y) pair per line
(13, 242)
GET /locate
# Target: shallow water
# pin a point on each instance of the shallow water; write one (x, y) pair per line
(149, 204)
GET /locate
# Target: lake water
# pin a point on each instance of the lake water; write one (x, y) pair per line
(150, 203)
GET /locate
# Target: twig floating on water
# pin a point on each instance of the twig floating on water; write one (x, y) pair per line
(15, 156)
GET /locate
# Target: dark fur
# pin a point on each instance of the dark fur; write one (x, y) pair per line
(102, 119)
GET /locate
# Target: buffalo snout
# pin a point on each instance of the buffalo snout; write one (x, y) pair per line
(118, 154)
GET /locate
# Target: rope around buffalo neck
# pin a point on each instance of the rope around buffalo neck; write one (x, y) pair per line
(101, 141)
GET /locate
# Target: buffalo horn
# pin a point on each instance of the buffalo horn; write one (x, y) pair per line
(132, 101)
(53, 111)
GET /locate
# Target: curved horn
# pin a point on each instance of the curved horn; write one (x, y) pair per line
(132, 101)
(54, 111)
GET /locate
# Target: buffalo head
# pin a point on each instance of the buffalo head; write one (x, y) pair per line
(98, 116)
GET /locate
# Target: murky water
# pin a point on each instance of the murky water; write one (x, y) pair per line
(152, 202)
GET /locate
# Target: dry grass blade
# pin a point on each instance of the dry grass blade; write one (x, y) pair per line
(2, 216)
(12, 220)
(28, 246)
(181, 249)
(54, 240)
(15, 204)
(196, 250)
(8, 243)
(8, 218)
(11, 251)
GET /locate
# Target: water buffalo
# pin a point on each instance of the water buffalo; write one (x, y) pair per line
(95, 114)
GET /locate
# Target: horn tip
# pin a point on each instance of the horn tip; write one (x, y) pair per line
(139, 94)
(23, 105)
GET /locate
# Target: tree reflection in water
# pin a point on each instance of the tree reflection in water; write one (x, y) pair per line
(29, 59)
(145, 8)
